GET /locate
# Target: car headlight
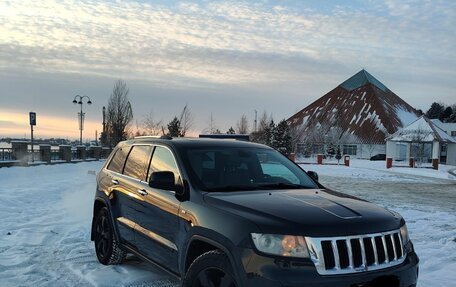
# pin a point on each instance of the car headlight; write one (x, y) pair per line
(282, 245)
(404, 235)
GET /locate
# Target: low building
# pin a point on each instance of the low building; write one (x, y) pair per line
(449, 128)
(424, 141)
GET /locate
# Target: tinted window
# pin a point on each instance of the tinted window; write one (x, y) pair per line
(274, 169)
(118, 160)
(163, 160)
(138, 162)
(225, 169)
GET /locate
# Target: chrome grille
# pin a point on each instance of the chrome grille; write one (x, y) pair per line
(352, 254)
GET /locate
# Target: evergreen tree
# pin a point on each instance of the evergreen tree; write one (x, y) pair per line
(174, 128)
(266, 136)
(435, 111)
(281, 138)
(231, 131)
(447, 113)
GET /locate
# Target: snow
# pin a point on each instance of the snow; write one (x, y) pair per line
(377, 171)
(424, 197)
(404, 116)
(46, 214)
(422, 129)
(45, 231)
(354, 118)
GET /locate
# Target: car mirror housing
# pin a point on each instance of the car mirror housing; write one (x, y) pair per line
(313, 174)
(163, 180)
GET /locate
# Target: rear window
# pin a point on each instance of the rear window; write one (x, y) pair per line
(118, 160)
(138, 162)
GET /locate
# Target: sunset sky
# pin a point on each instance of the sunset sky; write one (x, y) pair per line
(227, 58)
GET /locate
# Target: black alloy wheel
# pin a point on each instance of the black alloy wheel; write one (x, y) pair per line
(106, 247)
(213, 277)
(211, 269)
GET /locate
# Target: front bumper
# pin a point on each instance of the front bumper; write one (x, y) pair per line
(272, 272)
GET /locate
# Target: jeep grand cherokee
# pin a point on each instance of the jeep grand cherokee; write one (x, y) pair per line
(230, 213)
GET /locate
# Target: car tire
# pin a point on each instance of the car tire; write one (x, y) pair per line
(212, 269)
(106, 247)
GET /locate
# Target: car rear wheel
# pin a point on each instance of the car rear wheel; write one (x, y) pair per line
(212, 269)
(106, 247)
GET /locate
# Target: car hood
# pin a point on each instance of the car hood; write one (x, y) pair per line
(307, 212)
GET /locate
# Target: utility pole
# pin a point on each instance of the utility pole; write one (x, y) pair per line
(104, 135)
(104, 120)
(256, 113)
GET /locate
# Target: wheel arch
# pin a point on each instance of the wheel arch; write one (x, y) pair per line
(98, 204)
(198, 245)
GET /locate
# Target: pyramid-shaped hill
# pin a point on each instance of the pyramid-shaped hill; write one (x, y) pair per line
(363, 108)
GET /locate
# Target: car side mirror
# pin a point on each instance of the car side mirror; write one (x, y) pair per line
(164, 180)
(313, 174)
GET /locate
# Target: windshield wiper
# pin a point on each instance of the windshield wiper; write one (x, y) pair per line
(233, 188)
(282, 185)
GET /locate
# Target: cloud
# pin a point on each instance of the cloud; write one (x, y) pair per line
(10, 124)
(269, 52)
(214, 42)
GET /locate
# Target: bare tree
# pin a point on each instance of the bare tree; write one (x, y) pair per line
(212, 128)
(185, 120)
(151, 126)
(264, 121)
(419, 138)
(297, 136)
(242, 125)
(119, 114)
(370, 142)
(263, 132)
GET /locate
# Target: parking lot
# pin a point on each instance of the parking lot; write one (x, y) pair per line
(46, 212)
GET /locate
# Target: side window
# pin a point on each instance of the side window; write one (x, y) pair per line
(118, 160)
(138, 162)
(163, 160)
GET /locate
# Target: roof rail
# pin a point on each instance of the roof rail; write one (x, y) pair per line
(165, 137)
(239, 137)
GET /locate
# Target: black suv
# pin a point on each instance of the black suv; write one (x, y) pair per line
(231, 213)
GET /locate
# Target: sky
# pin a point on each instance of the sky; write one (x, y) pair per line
(225, 58)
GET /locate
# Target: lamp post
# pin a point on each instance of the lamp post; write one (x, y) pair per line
(78, 100)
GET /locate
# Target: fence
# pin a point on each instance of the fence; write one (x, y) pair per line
(6, 154)
(19, 154)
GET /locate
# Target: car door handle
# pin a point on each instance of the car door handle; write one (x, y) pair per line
(115, 182)
(142, 192)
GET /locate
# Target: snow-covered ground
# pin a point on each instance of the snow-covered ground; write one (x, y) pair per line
(46, 214)
(376, 170)
(428, 204)
(45, 231)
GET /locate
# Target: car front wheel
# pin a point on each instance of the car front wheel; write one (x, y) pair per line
(212, 269)
(106, 246)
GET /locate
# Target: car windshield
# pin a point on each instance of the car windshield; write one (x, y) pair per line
(239, 169)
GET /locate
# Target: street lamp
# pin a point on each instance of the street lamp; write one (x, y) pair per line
(78, 100)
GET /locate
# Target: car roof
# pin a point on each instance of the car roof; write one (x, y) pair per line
(193, 142)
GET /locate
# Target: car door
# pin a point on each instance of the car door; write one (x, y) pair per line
(122, 207)
(158, 214)
(133, 181)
